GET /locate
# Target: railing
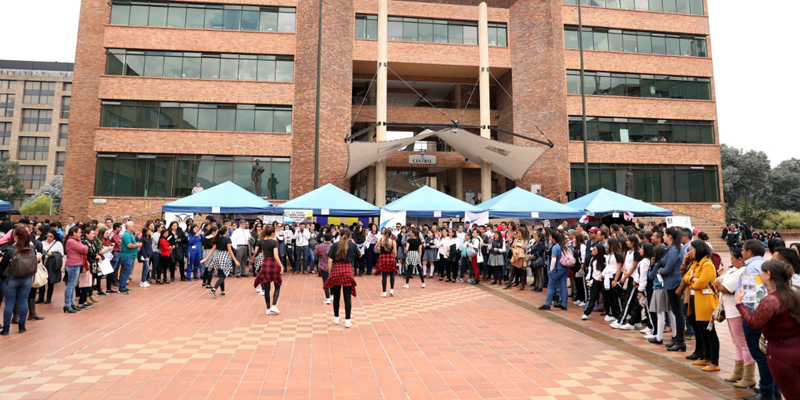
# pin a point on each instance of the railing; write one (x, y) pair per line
(370, 101)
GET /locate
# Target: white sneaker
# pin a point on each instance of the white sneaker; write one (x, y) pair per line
(405, 286)
(576, 302)
(609, 318)
(336, 320)
(627, 327)
(347, 323)
(645, 331)
(328, 300)
(650, 336)
(260, 292)
(147, 284)
(383, 294)
(615, 325)
(423, 286)
(269, 312)
(142, 285)
(582, 304)
(274, 310)
(584, 317)
(638, 326)
(391, 292)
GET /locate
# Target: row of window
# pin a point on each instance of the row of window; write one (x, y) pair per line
(203, 16)
(37, 120)
(33, 176)
(639, 85)
(604, 39)
(670, 6)
(65, 105)
(33, 148)
(196, 116)
(411, 29)
(200, 65)
(5, 134)
(638, 130)
(6, 84)
(653, 183)
(7, 105)
(39, 92)
(171, 175)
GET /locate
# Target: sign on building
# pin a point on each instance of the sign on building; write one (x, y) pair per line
(422, 159)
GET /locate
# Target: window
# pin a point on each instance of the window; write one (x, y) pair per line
(172, 64)
(6, 84)
(65, 101)
(32, 176)
(640, 85)
(62, 135)
(5, 133)
(203, 16)
(431, 31)
(602, 39)
(682, 6)
(33, 148)
(39, 92)
(653, 183)
(67, 87)
(170, 175)
(36, 120)
(61, 159)
(6, 105)
(196, 116)
(644, 130)
(4, 155)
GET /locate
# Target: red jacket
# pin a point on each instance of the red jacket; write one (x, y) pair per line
(164, 246)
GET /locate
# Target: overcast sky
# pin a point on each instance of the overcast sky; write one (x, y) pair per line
(748, 45)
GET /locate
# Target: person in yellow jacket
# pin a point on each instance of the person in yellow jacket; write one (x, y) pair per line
(703, 301)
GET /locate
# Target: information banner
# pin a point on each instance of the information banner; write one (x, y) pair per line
(682, 222)
(471, 218)
(392, 218)
(297, 216)
(179, 217)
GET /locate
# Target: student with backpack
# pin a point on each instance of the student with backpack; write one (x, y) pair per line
(560, 261)
(18, 265)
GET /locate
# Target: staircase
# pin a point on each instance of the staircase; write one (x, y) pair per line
(711, 227)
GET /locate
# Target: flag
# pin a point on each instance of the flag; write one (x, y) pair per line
(481, 218)
(584, 219)
(390, 218)
(628, 216)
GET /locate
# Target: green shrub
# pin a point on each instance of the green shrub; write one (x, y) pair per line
(783, 220)
(39, 206)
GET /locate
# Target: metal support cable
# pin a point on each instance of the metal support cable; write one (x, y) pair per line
(421, 96)
(363, 101)
(468, 100)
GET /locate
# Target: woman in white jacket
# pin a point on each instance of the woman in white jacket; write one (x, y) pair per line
(473, 249)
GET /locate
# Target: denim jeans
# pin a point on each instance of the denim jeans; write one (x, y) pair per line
(16, 291)
(115, 260)
(558, 281)
(145, 270)
(193, 268)
(766, 385)
(154, 264)
(72, 283)
(127, 269)
(301, 257)
(310, 258)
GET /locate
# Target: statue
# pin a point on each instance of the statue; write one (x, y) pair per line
(272, 184)
(629, 189)
(255, 175)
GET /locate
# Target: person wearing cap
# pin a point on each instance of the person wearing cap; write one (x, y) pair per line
(240, 239)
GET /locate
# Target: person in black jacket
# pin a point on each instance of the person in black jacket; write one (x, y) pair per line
(176, 237)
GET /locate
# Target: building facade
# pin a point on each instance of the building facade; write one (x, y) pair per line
(35, 105)
(173, 93)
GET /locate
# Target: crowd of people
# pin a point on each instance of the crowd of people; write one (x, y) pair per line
(655, 281)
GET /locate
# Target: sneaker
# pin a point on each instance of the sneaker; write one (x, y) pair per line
(609, 318)
(147, 284)
(336, 320)
(221, 294)
(101, 294)
(274, 310)
(637, 326)
(142, 285)
(645, 331)
(545, 307)
(268, 312)
(650, 336)
(460, 280)
(584, 317)
(391, 292)
(383, 294)
(112, 291)
(576, 302)
(327, 301)
(405, 286)
(615, 325)
(627, 327)
(423, 285)
(213, 293)
(347, 323)
(126, 291)
(582, 304)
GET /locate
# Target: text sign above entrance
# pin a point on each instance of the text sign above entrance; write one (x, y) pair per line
(422, 159)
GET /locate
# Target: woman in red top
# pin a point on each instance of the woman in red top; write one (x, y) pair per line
(778, 315)
(165, 260)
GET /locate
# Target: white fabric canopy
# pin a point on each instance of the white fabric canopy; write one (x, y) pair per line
(509, 160)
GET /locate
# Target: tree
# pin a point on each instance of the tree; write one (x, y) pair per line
(52, 189)
(39, 206)
(752, 211)
(11, 186)
(785, 179)
(744, 174)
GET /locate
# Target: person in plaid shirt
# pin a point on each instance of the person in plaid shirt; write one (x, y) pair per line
(321, 255)
(340, 263)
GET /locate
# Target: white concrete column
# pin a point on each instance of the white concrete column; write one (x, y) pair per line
(459, 183)
(380, 100)
(483, 46)
(370, 184)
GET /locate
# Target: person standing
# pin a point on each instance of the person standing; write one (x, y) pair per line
(519, 259)
(670, 271)
(208, 244)
(130, 248)
(321, 254)
(197, 188)
(413, 261)
(703, 300)
(53, 260)
(115, 237)
(301, 238)
(76, 260)
(146, 255)
(16, 284)
(221, 257)
(558, 272)
(340, 263)
(270, 271)
(240, 239)
(195, 246)
(387, 249)
(745, 368)
(165, 259)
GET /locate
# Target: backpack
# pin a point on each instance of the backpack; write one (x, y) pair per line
(567, 258)
(717, 260)
(732, 238)
(23, 266)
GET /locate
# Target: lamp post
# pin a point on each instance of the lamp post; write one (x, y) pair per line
(583, 105)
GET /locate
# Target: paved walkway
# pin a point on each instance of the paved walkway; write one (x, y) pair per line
(448, 341)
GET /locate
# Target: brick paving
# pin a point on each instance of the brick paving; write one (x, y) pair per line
(448, 341)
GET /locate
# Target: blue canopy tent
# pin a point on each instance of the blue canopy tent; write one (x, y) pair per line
(329, 197)
(5, 206)
(604, 201)
(521, 203)
(425, 202)
(225, 198)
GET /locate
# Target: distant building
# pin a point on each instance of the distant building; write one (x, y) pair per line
(34, 109)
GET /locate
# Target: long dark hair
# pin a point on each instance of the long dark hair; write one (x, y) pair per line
(701, 250)
(635, 240)
(344, 244)
(781, 276)
(658, 252)
(558, 238)
(600, 258)
(615, 249)
(675, 234)
(647, 248)
(220, 233)
(24, 240)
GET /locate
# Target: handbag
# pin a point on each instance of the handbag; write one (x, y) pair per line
(537, 262)
(762, 344)
(40, 278)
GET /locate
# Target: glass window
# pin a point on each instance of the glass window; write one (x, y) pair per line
(115, 63)
(32, 176)
(158, 16)
(134, 64)
(164, 175)
(176, 15)
(372, 28)
(588, 41)
(410, 33)
(284, 71)
(33, 148)
(36, 120)
(154, 64)
(120, 14)
(7, 105)
(264, 121)
(248, 69)
(173, 67)
(629, 44)
(286, 21)
(5, 133)
(573, 84)
(250, 20)
(696, 7)
(655, 5)
(195, 17)
(618, 85)
(361, 24)
(185, 172)
(207, 119)
(644, 43)
(613, 4)
(233, 20)
(659, 44)
(699, 48)
(670, 6)
(615, 41)
(571, 39)
(455, 34)
(395, 30)
(245, 119)
(223, 170)
(188, 118)
(226, 118)
(170, 116)
(266, 70)
(633, 86)
(673, 46)
(628, 4)
(683, 6)
(191, 67)
(600, 40)
(268, 21)
(138, 15)
(210, 66)
(214, 18)
(229, 68)
(470, 35)
(283, 121)
(440, 33)
(145, 176)
(66, 101)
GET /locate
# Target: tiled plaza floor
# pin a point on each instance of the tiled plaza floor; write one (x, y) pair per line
(448, 341)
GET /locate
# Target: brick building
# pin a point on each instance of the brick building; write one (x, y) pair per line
(173, 93)
(34, 109)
